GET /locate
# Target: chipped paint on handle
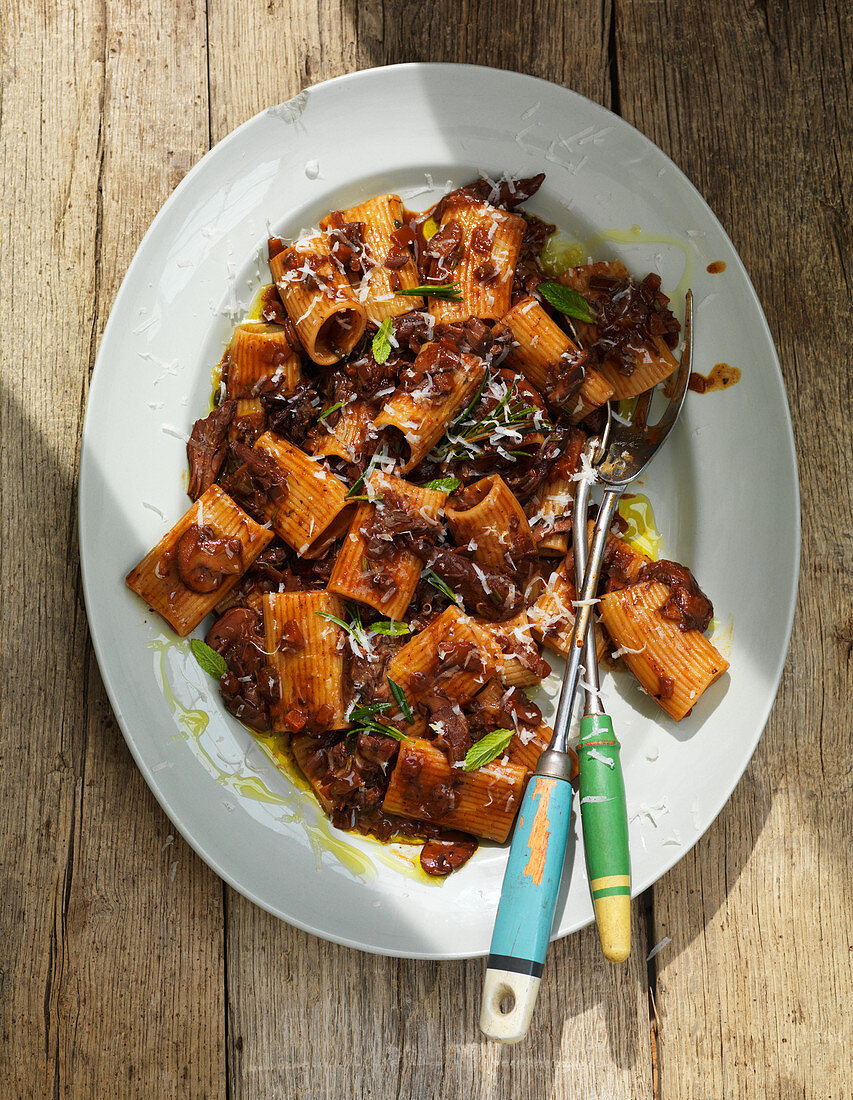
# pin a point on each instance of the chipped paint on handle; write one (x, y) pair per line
(528, 900)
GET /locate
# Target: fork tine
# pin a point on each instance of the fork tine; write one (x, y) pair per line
(641, 409)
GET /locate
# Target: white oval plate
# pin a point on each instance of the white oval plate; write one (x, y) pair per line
(724, 489)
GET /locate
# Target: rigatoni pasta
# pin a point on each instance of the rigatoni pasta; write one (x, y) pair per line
(313, 510)
(389, 265)
(385, 485)
(489, 242)
(260, 352)
(200, 560)
(319, 299)
(306, 649)
(674, 666)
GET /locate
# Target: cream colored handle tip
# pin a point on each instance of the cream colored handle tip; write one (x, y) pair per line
(508, 1003)
(613, 916)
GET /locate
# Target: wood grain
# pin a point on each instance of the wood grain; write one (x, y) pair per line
(121, 970)
(110, 936)
(750, 992)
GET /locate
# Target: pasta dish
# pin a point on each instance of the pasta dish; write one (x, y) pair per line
(382, 510)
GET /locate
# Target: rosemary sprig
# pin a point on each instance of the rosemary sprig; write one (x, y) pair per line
(447, 292)
(330, 410)
(443, 588)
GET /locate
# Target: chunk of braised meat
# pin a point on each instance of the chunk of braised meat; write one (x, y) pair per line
(272, 308)
(257, 480)
(207, 448)
(348, 248)
(442, 854)
(449, 726)
(630, 316)
(392, 516)
(687, 605)
(432, 376)
(204, 559)
(247, 429)
(506, 193)
(377, 748)
(294, 414)
(432, 797)
(366, 671)
(536, 233)
(490, 710)
(249, 685)
(568, 374)
(486, 592)
(400, 253)
(441, 254)
(366, 376)
(413, 330)
(475, 336)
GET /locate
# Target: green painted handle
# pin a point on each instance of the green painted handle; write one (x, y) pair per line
(605, 834)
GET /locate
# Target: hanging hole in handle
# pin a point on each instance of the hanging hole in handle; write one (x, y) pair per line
(507, 1002)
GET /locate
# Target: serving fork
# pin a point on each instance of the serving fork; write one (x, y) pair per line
(535, 865)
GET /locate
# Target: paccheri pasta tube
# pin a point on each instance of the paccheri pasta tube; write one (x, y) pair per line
(319, 299)
(424, 787)
(453, 656)
(487, 517)
(199, 560)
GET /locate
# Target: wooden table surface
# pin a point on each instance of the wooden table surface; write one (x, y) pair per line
(127, 968)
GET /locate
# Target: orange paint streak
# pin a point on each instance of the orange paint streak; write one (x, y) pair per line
(539, 834)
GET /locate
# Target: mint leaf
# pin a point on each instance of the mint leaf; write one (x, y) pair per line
(402, 701)
(382, 341)
(392, 629)
(210, 661)
(567, 301)
(443, 484)
(494, 744)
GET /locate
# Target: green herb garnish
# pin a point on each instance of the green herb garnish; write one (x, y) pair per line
(567, 301)
(447, 292)
(330, 410)
(359, 481)
(402, 701)
(211, 662)
(382, 341)
(348, 627)
(390, 628)
(487, 749)
(444, 589)
(443, 484)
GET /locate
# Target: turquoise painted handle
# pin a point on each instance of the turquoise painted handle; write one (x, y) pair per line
(526, 909)
(605, 833)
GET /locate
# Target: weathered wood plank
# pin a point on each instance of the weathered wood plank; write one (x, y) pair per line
(308, 1019)
(754, 991)
(111, 940)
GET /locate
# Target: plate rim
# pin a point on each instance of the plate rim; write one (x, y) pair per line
(173, 815)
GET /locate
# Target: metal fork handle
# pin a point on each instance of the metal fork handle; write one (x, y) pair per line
(583, 619)
(590, 656)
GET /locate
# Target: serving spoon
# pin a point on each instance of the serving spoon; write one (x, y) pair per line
(535, 865)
